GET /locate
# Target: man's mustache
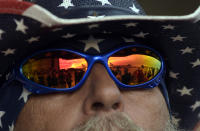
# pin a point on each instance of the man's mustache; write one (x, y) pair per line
(118, 121)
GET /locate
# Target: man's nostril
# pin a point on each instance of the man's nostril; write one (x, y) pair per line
(97, 106)
(116, 106)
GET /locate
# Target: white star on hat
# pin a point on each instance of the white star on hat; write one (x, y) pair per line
(185, 91)
(92, 43)
(141, 35)
(128, 40)
(1, 32)
(134, 9)
(57, 29)
(9, 51)
(106, 32)
(175, 120)
(195, 106)
(197, 19)
(8, 75)
(24, 95)
(171, 27)
(68, 35)
(33, 39)
(131, 24)
(1, 115)
(103, 2)
(66, 4)
(173, 75)
(20, 26)
(93, 26)
(43, 25)
(187, 50)
(196, 63)
(178, 38)
(11, 128)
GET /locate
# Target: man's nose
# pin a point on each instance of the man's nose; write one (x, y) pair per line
(103, 94)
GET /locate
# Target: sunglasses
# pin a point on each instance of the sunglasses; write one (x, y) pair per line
(54, 70)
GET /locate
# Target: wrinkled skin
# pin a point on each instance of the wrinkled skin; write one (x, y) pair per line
(99, 96)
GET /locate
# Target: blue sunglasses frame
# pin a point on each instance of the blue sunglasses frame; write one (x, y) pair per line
(91, 59)
(35, 88)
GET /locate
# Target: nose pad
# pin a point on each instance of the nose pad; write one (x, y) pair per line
(103, 94)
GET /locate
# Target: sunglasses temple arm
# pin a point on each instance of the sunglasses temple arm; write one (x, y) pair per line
(165, 93)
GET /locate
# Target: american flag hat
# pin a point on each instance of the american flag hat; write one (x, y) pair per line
(96, 26)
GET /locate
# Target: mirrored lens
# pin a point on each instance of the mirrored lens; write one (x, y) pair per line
(55, 69)
(133, 66)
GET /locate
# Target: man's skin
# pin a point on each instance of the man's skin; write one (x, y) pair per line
(99, 96)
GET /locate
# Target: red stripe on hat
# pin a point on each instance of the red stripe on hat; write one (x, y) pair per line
(13, 6)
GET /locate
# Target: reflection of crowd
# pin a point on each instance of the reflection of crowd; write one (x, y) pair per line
(134, 75)
(57, 78)
(69, 78)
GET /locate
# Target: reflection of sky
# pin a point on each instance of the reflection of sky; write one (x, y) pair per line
(72, 63)
(135, 60)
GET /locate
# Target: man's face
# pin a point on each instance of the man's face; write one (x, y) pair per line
(99, 97)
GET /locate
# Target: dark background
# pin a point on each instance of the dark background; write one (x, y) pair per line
(169, 7)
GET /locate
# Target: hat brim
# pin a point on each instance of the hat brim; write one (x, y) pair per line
(42, 15)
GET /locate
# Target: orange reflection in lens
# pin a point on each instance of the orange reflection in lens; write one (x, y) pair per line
(135, 68)
(73, 63)
(56, 69)
(136, 60)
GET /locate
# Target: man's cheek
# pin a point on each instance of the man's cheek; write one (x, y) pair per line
(146, 108)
